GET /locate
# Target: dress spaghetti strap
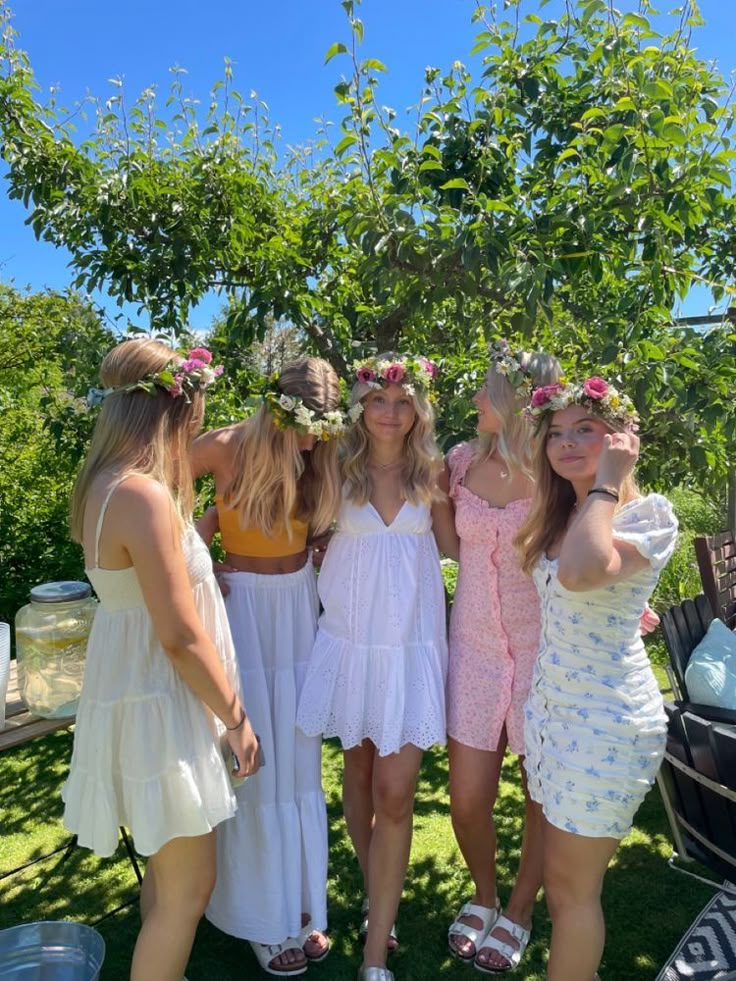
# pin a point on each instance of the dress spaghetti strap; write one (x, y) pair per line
(101, 517)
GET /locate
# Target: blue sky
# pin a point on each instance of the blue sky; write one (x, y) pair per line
(278, 50)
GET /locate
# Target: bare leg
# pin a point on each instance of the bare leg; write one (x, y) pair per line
(474, 779)
(520, 906)
(357, 800)
(394, 786)
(574, 867)
(181, 876)
(148, 892)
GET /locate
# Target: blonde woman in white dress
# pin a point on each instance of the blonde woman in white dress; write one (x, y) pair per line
(277, 485)
(376, 677)
(161, 688)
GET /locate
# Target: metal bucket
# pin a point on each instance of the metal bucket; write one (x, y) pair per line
(51, 950)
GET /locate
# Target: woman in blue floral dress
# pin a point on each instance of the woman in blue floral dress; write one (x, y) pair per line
(595, 725)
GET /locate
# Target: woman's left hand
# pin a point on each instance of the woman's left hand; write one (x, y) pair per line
(618, 457)
(648, 622)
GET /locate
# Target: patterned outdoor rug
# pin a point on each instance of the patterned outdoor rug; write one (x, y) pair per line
(708, 950)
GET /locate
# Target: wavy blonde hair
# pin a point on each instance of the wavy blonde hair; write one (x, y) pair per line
(140, 432)
(274, 481)
(553, 502)
(423, 461)
(514, 442)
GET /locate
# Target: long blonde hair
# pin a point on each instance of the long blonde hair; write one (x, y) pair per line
(513, 443)
(140, 432)
(553, 502)
(422, 463)
(274, 481)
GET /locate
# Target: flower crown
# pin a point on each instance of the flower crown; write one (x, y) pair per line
(595, 394)
(290, 412)
(177, 378)
(409, 372)
(509, 365)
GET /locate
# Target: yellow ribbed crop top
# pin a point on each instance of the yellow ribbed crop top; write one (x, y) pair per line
(253, 543)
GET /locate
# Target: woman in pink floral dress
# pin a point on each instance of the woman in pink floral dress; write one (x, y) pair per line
(494, 639)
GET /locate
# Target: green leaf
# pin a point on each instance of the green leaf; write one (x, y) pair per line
(636, 20)
(673, 133)
(374, 65)
(337, 48)
(566, 154)
(493, 205)
(625, 104)
(431, 165)
(456, 182)
(345, 143)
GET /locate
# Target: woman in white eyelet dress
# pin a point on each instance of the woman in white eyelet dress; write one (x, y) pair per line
(594, 720)
(376, 676)
(378, 666)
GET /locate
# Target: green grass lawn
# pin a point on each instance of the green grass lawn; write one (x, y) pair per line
(647, 906)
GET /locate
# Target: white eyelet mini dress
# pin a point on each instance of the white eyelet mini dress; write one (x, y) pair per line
(379, 663)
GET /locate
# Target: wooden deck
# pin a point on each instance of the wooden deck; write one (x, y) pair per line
(20, 725)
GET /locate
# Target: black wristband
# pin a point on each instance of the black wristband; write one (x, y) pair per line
(608, 491)
(233, 728)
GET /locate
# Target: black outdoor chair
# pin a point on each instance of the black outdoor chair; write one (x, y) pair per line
(698, 775)
(716, 555)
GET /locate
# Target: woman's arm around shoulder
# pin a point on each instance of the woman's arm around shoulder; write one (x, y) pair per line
(443, 517)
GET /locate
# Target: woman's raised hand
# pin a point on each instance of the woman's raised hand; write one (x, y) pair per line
(618, 457)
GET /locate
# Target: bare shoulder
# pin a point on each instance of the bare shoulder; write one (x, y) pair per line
(225, 436)
(207, 448)
(142, 498)
(212, 452)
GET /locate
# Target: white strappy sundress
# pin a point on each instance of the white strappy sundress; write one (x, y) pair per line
(146, 749)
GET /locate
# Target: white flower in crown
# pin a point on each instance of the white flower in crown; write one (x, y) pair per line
(502, 368)
(303, 415)
(356, 411)
(409, 389)
(287, 403)
(314, 428)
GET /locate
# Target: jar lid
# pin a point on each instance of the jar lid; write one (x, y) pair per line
(60, 592)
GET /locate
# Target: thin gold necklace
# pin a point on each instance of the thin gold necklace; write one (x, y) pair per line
(385, 466)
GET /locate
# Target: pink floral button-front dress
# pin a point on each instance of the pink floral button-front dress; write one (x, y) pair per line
(495, 623)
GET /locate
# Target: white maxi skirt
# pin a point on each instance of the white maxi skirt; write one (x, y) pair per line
(272, 855)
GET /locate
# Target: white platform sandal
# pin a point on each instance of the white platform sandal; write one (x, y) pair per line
(488, 917)
(266, 953)
(512, 954)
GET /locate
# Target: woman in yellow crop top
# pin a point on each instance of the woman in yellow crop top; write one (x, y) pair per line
(277, 482)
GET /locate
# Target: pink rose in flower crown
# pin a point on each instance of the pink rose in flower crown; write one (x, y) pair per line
(394, 374)
(595, 388)
(191, 365)
(430, 367)
(542, 395)
(200, 354)
(365, 375)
